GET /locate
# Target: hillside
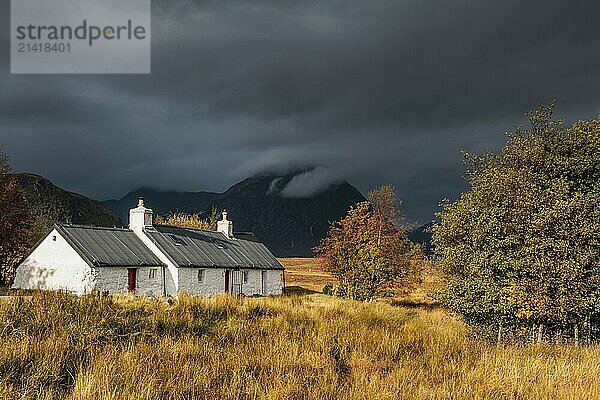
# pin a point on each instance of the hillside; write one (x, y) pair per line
(422, 235)
(162, 202)
(58, 205)
(289, 226)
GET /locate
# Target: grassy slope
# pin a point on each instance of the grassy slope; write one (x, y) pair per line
(299, 347)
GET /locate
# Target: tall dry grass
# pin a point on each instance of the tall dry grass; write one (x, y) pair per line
(54, 346)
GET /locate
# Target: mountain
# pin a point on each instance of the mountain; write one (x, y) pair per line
(162, 202)
(422, 235)
(288, 226)
(57, 205)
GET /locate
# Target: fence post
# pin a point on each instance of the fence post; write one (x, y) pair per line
(499, 339)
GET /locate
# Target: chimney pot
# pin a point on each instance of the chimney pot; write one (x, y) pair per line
(140, 217)
(225, 226)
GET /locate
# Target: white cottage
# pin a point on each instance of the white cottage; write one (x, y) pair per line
(150, 259)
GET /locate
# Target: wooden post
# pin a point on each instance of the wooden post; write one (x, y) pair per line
(499, 340)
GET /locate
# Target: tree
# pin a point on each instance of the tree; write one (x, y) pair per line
(521, 249)
(16, 222)
(369, 250)
(191, 220)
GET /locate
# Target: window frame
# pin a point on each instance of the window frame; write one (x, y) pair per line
(177, 240)
(152, 273)
(200, 276)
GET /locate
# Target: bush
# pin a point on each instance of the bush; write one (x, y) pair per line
(328, 289)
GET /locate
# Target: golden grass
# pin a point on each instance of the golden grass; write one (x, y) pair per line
(306, 273)
(55, 346)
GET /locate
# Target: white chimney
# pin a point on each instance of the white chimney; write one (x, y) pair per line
(140, 217)
(225, 227)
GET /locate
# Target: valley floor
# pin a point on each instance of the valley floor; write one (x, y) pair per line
(305, 275)
(55, 346)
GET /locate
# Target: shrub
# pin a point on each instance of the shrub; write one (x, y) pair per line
(328, 289)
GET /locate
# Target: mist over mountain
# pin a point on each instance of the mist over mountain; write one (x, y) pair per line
(289, 212)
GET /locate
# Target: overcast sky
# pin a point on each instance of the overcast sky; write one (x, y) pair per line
(377, 92)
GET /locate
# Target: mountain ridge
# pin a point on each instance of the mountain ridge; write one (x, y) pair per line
(57, 205)
(288, 226)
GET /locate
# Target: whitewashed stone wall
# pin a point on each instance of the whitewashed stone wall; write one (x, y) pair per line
(214, 282)
(254, 284)
(115, 280)
(171, 271)
(274, 283)
(54, 265)
(147, 285)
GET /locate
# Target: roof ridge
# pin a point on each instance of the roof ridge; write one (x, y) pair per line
(103, 228)
(203, 230)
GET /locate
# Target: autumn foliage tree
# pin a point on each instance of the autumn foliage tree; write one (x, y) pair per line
(369, 250)
(521, 249)
(16, 223)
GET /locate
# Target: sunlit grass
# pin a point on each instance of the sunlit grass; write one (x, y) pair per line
(306, 273)
(55, 346)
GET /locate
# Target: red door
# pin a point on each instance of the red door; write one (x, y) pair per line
(131, 275)
(226, 281)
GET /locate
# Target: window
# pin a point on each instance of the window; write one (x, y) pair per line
(218, 243)
(152, 274)
(245, 276)
(178, 240)
(200, 275)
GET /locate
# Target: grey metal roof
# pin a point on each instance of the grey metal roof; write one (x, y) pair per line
(108, 246)
(197, 248)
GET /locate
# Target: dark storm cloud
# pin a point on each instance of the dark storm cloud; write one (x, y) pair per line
(377, 92)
